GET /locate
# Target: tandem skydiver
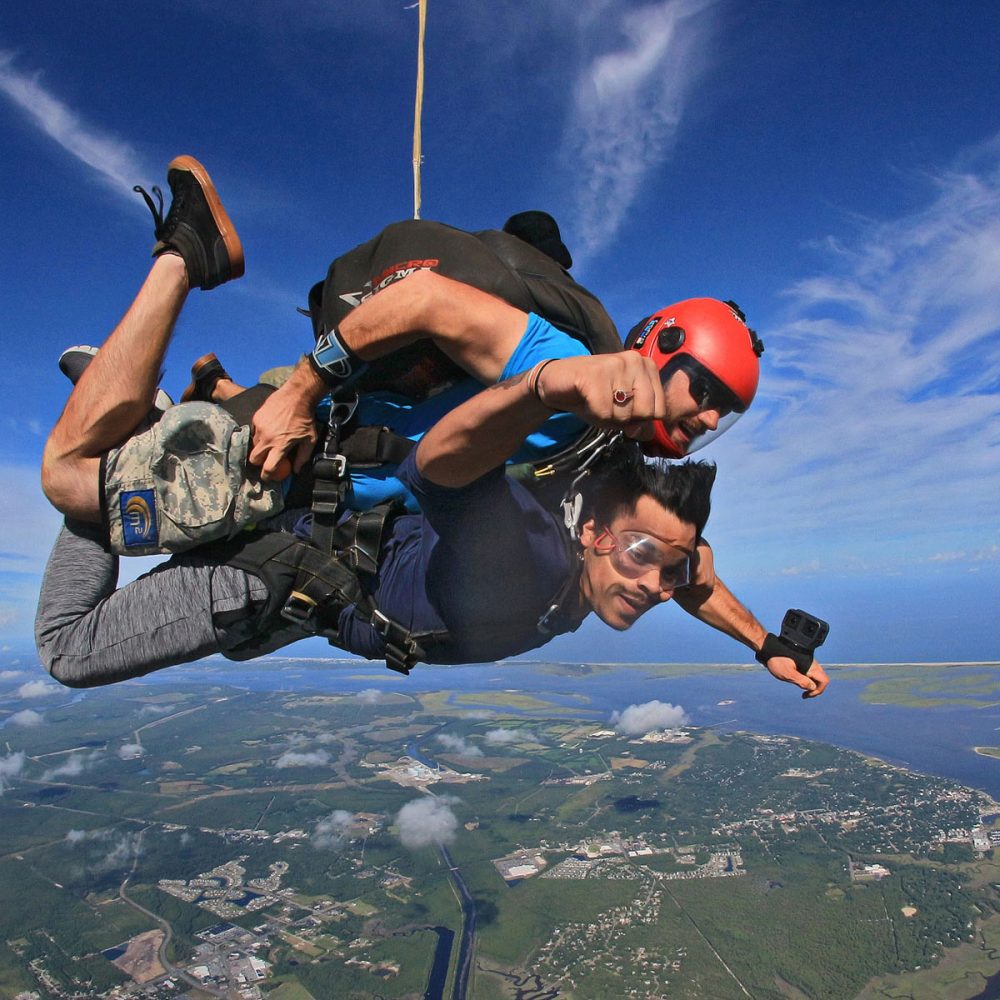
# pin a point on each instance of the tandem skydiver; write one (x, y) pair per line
(91, 476)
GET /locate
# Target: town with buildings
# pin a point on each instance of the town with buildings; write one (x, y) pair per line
(258, 912)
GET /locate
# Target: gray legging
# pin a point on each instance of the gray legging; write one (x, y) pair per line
(89, 633)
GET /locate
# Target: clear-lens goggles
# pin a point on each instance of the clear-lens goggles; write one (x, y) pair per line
(634, 554)
(709, 393)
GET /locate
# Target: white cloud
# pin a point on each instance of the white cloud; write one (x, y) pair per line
(504, 737)
(458, 745)
(427, 821)
(156, 709)
(27, 718)
(122, 854)
(123, 850)
(876, 430)
(128, 751)
(333, 831)
(111, 159)
(37, 689)
(74, 765)
(369, 696)
(10, 767)
(628, 101)
(294, 758)
(637, 720)
(988, 554)
(10, 675)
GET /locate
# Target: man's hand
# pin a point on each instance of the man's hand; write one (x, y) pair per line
(589, 386)
(813, 683)
(284, 432)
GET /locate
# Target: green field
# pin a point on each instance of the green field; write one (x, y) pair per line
(236, 784)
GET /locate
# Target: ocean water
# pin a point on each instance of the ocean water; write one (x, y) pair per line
(936, 740)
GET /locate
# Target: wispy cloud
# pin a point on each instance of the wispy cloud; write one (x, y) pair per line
(333, 831)
(111, 159)
(28, 718)
(10, 767)
(628, 101)
(156, 709)
(505, 737)
(109, 850)
(294, 758)
(37, 689)
(74, 765)
(459, 745)
(877, 415)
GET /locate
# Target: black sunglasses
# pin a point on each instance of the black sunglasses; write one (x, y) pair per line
(709, 395)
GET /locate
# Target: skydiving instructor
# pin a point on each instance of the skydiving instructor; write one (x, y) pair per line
(198, 247)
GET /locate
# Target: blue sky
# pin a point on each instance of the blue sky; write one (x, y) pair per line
(835, 168)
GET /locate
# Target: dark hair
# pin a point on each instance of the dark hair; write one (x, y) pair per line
(623, 475)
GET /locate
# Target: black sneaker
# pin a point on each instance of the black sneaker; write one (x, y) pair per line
(73, 363)
(197, 226)
(74, 360)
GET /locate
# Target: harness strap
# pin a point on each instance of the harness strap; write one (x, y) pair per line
(330, 484)
(374, 446)
(359, 539)
(310, 588)
(323, 587)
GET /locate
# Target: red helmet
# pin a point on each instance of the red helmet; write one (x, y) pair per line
(709, 340)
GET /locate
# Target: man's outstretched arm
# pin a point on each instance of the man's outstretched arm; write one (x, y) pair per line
(709, 600)
(487, 429)
(478, 331)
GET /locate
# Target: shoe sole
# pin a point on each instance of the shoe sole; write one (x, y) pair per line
(222, 221)
(193, 391)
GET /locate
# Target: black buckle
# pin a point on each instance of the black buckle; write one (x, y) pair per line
(300, 610)
(401, 651)
(330, 467)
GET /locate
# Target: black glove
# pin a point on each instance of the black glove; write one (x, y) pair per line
(774, 645)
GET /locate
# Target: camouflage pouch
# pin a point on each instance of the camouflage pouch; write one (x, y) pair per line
(183, 482)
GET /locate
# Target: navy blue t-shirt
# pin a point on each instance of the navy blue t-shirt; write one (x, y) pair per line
(483, 562)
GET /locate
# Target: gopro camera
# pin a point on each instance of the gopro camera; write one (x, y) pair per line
(803, 631)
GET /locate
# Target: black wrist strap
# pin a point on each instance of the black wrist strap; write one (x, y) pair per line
(333, 361)
(774, 645)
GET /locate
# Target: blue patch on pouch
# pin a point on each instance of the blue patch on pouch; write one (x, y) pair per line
(138, 512)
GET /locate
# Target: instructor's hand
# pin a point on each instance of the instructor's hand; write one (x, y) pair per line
(813, 683)
(284, 431)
